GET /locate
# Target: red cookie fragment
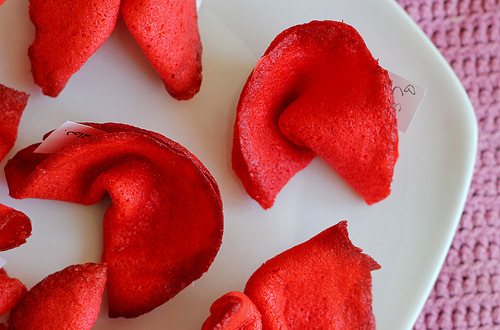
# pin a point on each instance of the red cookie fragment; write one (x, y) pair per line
(323, 283)
(15, 228)
(68, 299)
(12, 105)
(11, 291)
(67, 34)
(317, 90)
(164, 227)
(233, 311)
(167, 31)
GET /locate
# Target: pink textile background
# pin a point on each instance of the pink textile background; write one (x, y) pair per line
(467, 292)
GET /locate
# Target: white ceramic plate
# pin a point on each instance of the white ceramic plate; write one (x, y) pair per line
(409, 233)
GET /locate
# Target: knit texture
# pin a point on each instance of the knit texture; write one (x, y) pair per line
(467, 292)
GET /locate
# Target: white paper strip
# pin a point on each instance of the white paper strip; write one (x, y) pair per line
(407, 96)
(64, 135)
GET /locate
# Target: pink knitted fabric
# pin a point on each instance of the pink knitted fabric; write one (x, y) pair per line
(467, 292)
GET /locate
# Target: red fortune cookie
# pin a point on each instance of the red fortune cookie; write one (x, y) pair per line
(323, 283)
(317, 90)
(164, 226)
